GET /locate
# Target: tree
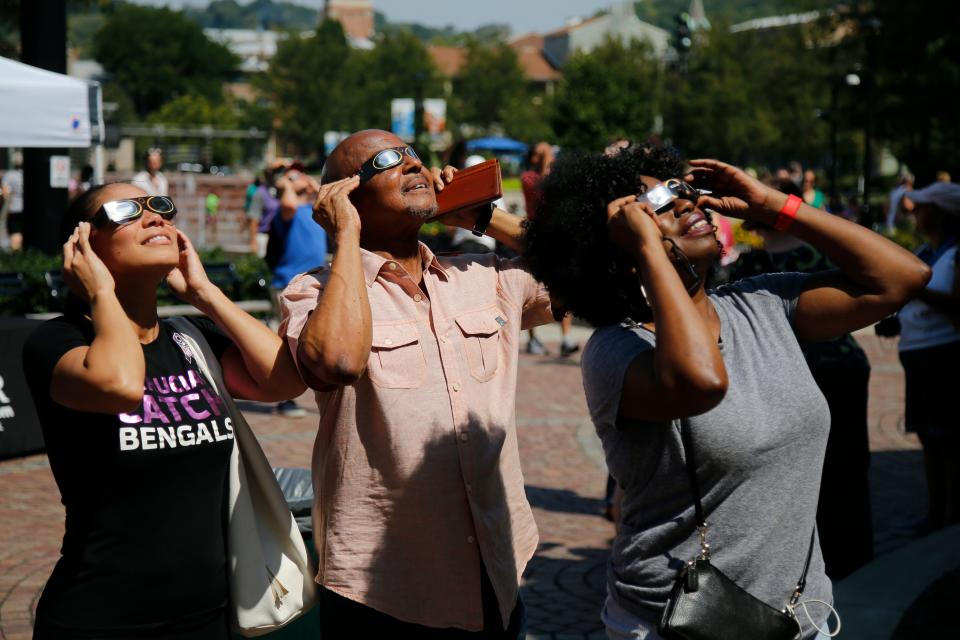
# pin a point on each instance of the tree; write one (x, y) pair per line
(490, 82)
(197, 111)
(157, 54)
(308, 87)
(753, 97)
(398, 67)
(610, 92)
(918, 79)
(230, 14)
(527, 117)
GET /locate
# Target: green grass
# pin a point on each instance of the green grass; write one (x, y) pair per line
(511, 184)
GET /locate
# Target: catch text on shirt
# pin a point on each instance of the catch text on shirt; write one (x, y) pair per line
(177, 411)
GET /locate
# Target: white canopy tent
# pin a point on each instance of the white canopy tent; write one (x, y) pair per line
(40, 108)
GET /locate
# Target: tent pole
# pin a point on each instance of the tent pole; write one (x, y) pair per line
(98, 162)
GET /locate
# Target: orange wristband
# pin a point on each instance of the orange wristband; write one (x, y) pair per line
(788, 213)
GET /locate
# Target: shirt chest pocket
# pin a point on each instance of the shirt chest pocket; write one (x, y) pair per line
(481, 341)
(396, 357)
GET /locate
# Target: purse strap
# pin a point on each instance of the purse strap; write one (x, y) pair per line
(702, 527)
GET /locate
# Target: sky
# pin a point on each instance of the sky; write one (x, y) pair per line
(522, 15)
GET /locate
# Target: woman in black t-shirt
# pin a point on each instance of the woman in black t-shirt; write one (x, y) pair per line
(139, 442)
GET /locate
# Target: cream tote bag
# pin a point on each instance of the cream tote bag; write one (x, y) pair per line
(270, 572)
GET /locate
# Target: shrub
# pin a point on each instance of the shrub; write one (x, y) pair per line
(251, 271)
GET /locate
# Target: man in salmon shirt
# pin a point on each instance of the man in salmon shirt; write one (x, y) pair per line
(421, 523)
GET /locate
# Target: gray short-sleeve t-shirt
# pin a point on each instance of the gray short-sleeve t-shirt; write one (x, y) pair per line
(759, 457)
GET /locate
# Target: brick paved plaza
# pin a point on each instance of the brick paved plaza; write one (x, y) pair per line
(564, 473)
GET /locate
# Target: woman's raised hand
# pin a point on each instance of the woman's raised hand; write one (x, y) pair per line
(442, 177)
(333, 209)
(188, 280)
(83, 270)
(632, 225)
(734, 192)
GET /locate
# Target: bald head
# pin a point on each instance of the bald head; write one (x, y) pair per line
(348, 156)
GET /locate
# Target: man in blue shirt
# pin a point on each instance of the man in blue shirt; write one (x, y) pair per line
(304, 244)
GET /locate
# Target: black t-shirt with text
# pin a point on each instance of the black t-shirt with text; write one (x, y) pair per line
(145, 494)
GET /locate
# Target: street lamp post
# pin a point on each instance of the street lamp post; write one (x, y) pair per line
(850, 80)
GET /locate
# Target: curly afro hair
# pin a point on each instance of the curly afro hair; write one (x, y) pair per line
(567, 247)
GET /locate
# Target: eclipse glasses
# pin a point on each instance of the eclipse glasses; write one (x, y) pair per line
(384, 160)
(122, 212)
(663, 194)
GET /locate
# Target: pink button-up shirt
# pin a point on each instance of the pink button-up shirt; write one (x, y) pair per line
(415, 466)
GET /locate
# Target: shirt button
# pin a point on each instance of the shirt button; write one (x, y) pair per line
(392, 266)
(464, 437)
(388, 342)
(443, 338)
(471, 539)
(417, 298)
(455, 386)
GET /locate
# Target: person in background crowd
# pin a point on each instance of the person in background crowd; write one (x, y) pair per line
(795, 173)
(80, 183)
(835, 204)
(896, 203)
(420, 520)
(930, 351)
(252, 217)
(616, 145)
(852, 210)
(303, 242)
(152, 180)
(11, 192)
(264, 206)
(811, 195)
(211, 205)
(723, 366)
(539, 160)
(139, 441)
(943, 176)
(842, 372)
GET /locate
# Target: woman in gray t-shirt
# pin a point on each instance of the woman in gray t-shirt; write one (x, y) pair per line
(626, 242)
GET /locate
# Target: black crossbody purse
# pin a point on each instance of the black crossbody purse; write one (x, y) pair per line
(707, 605)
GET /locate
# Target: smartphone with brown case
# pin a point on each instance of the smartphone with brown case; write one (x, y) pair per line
(471, 187)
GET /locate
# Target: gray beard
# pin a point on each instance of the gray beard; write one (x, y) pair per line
(422, 213)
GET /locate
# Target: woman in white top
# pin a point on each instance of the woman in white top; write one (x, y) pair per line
(930, 351)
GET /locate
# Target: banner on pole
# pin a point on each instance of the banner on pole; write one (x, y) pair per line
(402, 112)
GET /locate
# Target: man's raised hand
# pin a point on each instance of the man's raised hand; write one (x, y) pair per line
(333, 209)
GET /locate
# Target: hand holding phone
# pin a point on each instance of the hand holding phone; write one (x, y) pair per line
(471, 188)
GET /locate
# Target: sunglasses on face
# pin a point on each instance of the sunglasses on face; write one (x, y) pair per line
(384, 160)
(662, 195)
(122, 212)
